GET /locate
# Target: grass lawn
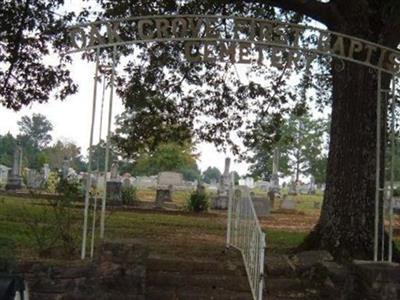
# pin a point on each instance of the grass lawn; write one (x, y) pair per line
(175, 233)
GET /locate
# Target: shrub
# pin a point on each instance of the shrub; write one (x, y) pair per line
(128, 194)
(198, 201)
(70, 190)
(55, 224)
(40, 228)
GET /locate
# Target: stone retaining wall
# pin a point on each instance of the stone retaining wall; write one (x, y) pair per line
(119, 272)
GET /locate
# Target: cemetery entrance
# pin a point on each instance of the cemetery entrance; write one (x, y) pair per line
(249, 41)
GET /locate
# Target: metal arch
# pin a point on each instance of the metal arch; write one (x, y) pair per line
(251, 41)
(84, 24)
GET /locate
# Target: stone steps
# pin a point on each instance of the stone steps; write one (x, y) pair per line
(289, 288)
(226, 267)
(194, 293)
(204, 278)
(213, 281)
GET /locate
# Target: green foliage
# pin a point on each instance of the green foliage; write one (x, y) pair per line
(40, 228)
(128, 194)
(31, 157)
(198, 201)
(55, 227)
(190, 173)
(37, 129)
(30, 31)
(301, 143)
(211, 173)
(166, 157)
(70, 190)
(35, 135)
(99, 155)
(7, 145)
(396, 192)
(61, 150)
(149, 123)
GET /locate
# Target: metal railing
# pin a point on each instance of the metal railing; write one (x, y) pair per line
(244, 233)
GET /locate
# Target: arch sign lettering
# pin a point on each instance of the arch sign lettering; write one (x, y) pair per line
(234, 39)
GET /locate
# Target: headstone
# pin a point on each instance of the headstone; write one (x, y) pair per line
(166, 179)
(114, 192)
(126, 182)
(46, 172)
(275, 177)
(166, 182)
(288, 203)
(395, 205)
(34, 179)
(303, 189)
(100, 181)
(263, 185)
(221, 200)
(248, 182)
(201, 189)
(223, 187)
(271, 196)
(312, 188)
(14, 181)
(4, 173)
(261, 206)
(162, 196)
(292, 188)
(114, 186)
(65, 168)
(114, 171)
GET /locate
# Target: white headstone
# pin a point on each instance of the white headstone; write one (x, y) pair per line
(288, 203)
(261, 206)
(166, 179)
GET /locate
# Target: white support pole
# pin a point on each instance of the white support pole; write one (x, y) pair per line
(98, 171)
(103, 203)
(383, 221)
(378, 169)
(93, 227)
(89, 172)
(102, 108)
(229, 221)
(261, 262)
(392, 154)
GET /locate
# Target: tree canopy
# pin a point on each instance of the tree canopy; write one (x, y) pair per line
(168, 157)
(29, 32)
(36, 128)
(301, 144)
(211, 174)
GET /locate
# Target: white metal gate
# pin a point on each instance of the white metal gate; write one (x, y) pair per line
(245, 234)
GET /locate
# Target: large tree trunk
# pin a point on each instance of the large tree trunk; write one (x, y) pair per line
(346, 225)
